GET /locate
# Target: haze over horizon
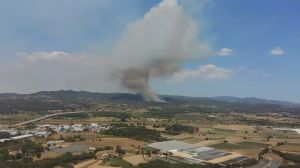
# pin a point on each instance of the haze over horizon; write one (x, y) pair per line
(187, 47)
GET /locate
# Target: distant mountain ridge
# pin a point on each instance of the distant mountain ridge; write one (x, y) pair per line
(68, 99)
(82, 95)
(254, 100)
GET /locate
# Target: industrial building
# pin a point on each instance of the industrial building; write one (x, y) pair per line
(194, 154)
(171, 146)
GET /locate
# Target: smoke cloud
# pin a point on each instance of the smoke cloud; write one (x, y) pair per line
(156, 46)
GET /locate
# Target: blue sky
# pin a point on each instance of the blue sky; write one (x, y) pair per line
(257, 40)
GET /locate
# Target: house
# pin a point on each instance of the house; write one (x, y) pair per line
(104, 127)
(42, 133)
(77, 127)
(63, 128)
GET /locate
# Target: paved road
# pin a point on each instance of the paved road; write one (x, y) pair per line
(266, 164)
(45, 117)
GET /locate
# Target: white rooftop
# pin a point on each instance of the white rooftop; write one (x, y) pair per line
(173, 145)
(198, 149)
(22, 136)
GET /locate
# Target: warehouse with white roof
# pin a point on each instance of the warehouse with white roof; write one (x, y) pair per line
(171, 146)
(191, 153)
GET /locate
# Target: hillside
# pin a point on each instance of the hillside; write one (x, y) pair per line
(72, 100)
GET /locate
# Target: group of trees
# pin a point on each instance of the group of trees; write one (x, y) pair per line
(139, 133)
(120, 151)
(288, 156)
(103, 149)
(181, 128)
(32, 148)
(73, 138)
(74, 115)
(262, 152)
(4, 135)
(65, 160)
(4, 155)
(121, 115)
(28, 149)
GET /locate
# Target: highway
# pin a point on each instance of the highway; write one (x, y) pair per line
(44, 117)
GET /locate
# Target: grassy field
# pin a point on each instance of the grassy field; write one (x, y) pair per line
(253, 145)
(114, 141)
(118, 162)
(135, 159)
(190, 116)
(223, 131)
(224, 145)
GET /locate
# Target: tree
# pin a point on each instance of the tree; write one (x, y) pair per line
(279, 143)
(120, 151)
(108, 148)
(18, 156)
(4, 155)
(29, 147)
(38, 155)
(4, 135)
(156, 151)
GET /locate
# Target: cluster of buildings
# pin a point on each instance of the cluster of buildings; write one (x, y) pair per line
(14, 138)
(75, 127)
(193, 154)
(46, 130)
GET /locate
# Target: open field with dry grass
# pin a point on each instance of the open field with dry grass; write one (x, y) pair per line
(288, 148)
(135, 159)
(113, 141)
(92, 164)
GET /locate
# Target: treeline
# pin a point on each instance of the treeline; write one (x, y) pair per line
(14, 106)
(288, 156)
(166, 112)
(74, 115)
(4, 135)
(177, 128)
(65, 160)
(28, 148)
(121, 115)
(138, 133)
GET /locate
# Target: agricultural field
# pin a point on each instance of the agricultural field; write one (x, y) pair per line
(220, 131)
(126, 143)
(288, 148)
(252, 145)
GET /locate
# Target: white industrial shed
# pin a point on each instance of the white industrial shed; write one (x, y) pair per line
(171, 146)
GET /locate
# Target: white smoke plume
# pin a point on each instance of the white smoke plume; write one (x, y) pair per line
(156, 46)
(153, 47)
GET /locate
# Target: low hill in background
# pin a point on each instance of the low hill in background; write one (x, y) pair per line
(72, 100)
